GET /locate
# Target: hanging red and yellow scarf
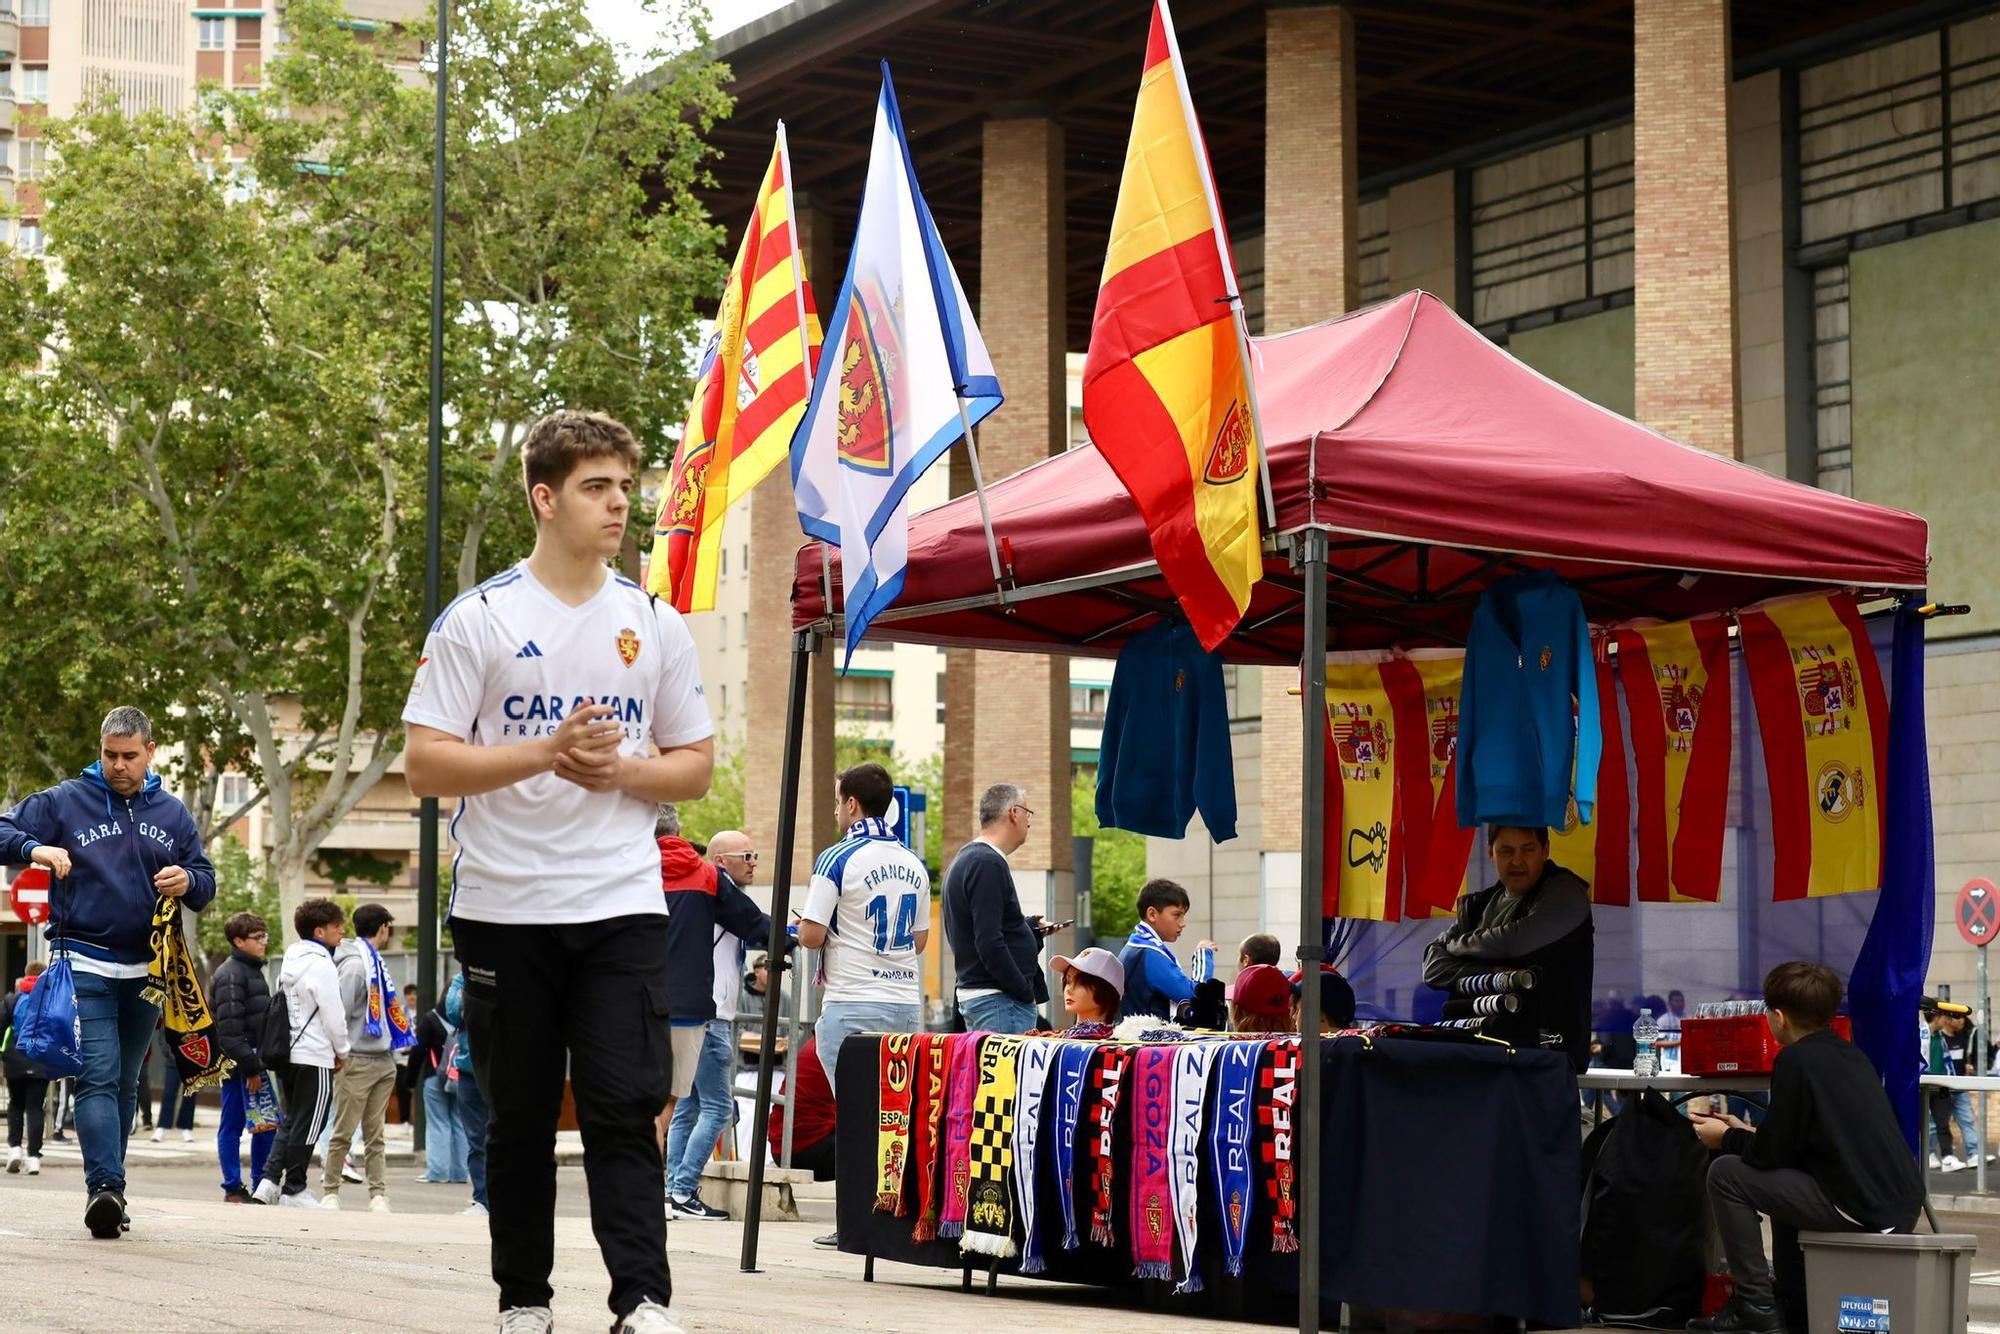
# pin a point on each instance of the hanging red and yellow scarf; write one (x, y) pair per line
(892, 1137)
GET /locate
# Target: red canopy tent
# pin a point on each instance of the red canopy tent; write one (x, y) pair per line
(1412, 464)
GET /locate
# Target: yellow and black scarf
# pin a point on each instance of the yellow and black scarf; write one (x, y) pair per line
(173, 984)
(988, 1219)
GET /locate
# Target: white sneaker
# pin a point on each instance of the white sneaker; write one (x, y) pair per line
(34, 1165)
(266, 1192)
(1951, 1164)
(331, 1200)
(158, 1134)
(187, 1137)
(349, 1172)
(14, 1156)
(649, 1317)
(303, 1200)
(378, 1204)
(478, 1210)
(526, 1320)
(1935, 1163)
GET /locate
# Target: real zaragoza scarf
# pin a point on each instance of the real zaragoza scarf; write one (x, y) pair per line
(1071, 1072)
(1107, 1076)
(385, 1004)
(892, 1135)
(989, 1225)
(961, 1083)
(1278, 1084)
(1192, 1064)
(928, 1119)
(173, 984)
(1037, 1056)
(1152, 1183)
(1229, 1146)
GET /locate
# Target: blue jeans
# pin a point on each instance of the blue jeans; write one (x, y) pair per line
(702, 1116)
(229, 1137)
(444, 1132)
(117, 1022)
(840, 1020)
(998, 1013)
(472, 1116)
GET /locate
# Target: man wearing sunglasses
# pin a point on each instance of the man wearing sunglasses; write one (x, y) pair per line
(1001, 981)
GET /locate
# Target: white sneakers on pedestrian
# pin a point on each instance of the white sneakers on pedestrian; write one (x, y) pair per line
(649, 1318)
(1936, 1163)
(305, 1199)
(34, 1165)
(478, 1210)
(378, 1204)
(159, 1133)
(330, 1201)
(695, 1207)
(187, 1137)
(15, 1158)
(266, 1192)
(349, 1172)
(1952, 1164)
(526, 1320)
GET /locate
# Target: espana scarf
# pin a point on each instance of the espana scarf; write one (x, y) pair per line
(1107, 1073)
(384, 1005)
(892, 1136)
(1072, 1070)
(1192, 1064)
(1152, 1183)
(928, 1119)
(989, 1225)
(961, 1082)
(1278, 1086)
(1037, 1054)
(173, 984)
(1229, 1146)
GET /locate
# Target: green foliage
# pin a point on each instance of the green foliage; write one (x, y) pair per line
(1117, 863)
(240, 886)
(722, 807)
(346, 866)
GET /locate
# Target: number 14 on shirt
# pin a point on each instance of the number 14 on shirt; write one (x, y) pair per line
(879, 911)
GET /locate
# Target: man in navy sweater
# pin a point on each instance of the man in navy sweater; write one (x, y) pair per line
(114, 842)
(998, 950)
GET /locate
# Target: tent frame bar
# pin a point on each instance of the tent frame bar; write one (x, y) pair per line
(1309, 558)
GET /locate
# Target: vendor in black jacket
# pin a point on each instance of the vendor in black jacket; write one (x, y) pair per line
(1829, 1156)
(1537, 915)
(239, 996)
(998, 950)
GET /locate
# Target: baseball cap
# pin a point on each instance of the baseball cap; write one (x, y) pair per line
(1336, 993)
(1262, 990)
(1098, 963)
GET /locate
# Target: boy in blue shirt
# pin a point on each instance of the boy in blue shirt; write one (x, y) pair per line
(1154, 982)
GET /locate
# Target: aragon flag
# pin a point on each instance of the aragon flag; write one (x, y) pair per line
(1601, 851)
(749, 393)
(1677, 681)
(1166, 384)
(1825, 722)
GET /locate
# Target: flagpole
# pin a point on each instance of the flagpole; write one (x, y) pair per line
(979, 490)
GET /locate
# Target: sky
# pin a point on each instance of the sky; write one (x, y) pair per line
(627, 23)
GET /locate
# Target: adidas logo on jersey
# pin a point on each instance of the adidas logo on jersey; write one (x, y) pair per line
(529, 650)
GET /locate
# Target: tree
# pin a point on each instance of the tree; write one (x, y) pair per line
(1117, 863)
(240, 886)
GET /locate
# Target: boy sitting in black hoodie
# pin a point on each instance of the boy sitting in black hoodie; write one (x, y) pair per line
(1829, 1157)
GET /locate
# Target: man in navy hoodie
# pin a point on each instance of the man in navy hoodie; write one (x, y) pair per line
(114, 842)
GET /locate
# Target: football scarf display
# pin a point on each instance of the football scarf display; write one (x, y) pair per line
(892, 1136)
(1192, 1064)
(173, 984)
(1036, 1057)
(961, 1082)
(1152, 1181)
(933, 1049)
(988, 1220)
(1278, 1089)
(385, 1005)
(1229, 1146)
(1107, 1073)
(1072, 1067)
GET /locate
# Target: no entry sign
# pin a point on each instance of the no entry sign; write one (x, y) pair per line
(1979, 912)
(30, 895)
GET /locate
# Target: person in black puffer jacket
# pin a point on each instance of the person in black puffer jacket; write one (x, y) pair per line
(239, 995)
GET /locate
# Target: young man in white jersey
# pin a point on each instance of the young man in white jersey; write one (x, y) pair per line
(869, 906)
(562, 705)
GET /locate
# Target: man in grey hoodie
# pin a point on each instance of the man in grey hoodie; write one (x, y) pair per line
(362, 1089)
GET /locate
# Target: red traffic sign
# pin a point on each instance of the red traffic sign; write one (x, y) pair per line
(30, 895)
(1979, 912)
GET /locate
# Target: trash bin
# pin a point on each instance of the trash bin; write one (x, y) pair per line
(1863, 1283)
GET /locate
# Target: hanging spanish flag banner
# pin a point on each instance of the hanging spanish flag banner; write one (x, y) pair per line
(1677, 680)
(1439, 851)
(1601, 851)
(1825, 721)
(1370, 704)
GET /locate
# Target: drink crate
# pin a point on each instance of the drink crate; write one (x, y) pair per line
(1737, 1044)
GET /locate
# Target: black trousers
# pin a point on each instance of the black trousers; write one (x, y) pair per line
(1940, 1107)
(24, 1104)
(590, 1000)
(308, 1106)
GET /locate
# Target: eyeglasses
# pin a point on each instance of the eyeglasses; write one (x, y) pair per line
(261, 935)
(1019, 807)
(749, 857)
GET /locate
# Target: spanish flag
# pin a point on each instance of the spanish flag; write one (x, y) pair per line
(1166, 384)
(750, 391)
(1601, 851)
(1439, 851)
(1375, 777)
(1677, 679)
(1825, 722)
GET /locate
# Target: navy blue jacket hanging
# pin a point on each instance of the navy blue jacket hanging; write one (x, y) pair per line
(1528, 716)
(1166, 739)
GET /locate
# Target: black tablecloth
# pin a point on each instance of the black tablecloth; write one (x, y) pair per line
(1449, 1179)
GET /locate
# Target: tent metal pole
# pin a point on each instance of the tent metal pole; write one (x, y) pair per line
(804, 644)
(1310, 559)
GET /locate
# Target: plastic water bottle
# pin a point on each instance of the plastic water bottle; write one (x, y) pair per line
(1645, 1033)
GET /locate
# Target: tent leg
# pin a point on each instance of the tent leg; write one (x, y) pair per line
(1309, 559)
(804, 644)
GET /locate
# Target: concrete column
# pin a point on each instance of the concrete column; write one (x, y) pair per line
(1756, 148)
(1684, 246)
(1309, 275)
(774, 542)
(1021, 701)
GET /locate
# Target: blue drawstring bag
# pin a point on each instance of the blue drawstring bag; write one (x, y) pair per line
(47, 1028)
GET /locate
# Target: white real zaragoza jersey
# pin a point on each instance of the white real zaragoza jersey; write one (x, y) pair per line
(873, 895)
(506, 663)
